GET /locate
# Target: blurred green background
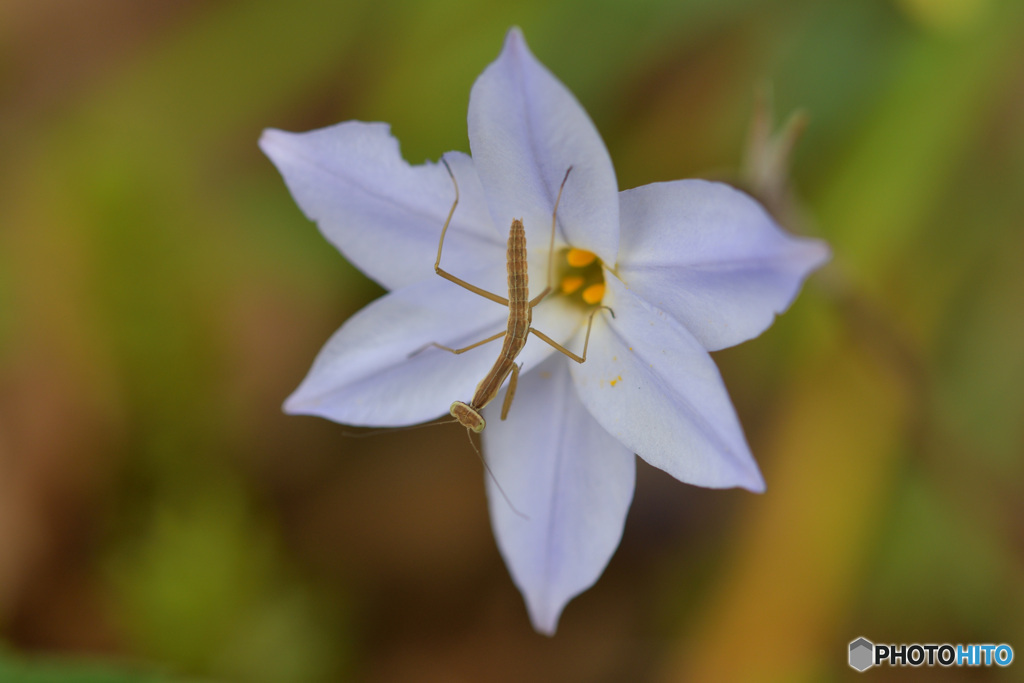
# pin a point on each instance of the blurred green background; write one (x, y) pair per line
(161, 294)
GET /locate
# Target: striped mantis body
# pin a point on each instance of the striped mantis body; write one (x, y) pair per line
(520, 317)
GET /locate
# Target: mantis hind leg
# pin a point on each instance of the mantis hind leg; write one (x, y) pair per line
(551, 245)
(440, 245)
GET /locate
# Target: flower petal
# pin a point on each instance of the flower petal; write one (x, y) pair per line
(365, 376)
(654, 387)
(384, 215)
(712, 257)
(571, 480)
(525, 130)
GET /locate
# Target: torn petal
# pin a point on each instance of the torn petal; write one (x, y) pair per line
(383, 214)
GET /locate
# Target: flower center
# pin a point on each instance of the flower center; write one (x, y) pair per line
(580, 277)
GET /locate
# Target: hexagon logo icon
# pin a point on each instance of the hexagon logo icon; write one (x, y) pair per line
(862, 654)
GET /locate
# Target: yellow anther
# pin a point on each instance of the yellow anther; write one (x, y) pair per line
(571, 283)
(579, 258)
(594, 293)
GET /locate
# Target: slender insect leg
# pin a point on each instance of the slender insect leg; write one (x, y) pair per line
(540, 297)
(512, 382)
(551, 245)
(558, 347)
(463, 349)
(437, 262)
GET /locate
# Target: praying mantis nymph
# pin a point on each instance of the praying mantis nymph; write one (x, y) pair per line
(520, 317)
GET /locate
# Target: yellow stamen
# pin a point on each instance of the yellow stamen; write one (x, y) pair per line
(594, 293)
(571, 283)
(578, 258)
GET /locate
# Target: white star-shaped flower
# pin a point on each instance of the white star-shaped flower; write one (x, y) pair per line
(687, 266)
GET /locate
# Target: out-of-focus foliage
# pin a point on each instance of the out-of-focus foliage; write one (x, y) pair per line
(53, 671)
(160, 295)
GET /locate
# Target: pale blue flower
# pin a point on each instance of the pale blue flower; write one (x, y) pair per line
(689, 267)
